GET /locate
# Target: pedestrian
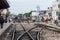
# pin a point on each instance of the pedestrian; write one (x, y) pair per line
(28, 20)
(56, 22)
(10, 20)
(5, 20)
(1, 21)
(42, 19)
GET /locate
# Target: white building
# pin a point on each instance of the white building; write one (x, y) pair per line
(35, 15)
(55, 10)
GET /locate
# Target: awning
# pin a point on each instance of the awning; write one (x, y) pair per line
(4, 4)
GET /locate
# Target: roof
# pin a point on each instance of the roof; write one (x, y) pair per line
(4, 4)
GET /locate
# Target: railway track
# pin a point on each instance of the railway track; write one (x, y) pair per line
(32, 33)
(27, 31)
(25, 34)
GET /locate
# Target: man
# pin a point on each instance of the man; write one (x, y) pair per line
(3, 5)
(1, 21)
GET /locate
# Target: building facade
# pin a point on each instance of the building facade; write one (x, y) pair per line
(55, 10)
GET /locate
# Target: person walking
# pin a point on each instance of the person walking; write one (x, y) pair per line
(1, 21)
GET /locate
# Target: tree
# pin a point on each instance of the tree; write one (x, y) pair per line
(59, 9)
(7, 14)
(58, 14)
(28, 14)
(59, 5)
(20, 15)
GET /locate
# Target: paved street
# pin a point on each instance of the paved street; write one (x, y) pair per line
(5, 26)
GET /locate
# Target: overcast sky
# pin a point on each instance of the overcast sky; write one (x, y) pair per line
(22, 6)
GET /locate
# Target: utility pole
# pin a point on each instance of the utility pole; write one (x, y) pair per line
(38, 11)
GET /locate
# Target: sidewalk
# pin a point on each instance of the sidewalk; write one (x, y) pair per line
(5, 26)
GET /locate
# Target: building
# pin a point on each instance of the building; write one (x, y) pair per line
(38, 15)
(35, 15)
(55, 10)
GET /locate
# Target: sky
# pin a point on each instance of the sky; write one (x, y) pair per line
(23, 6)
